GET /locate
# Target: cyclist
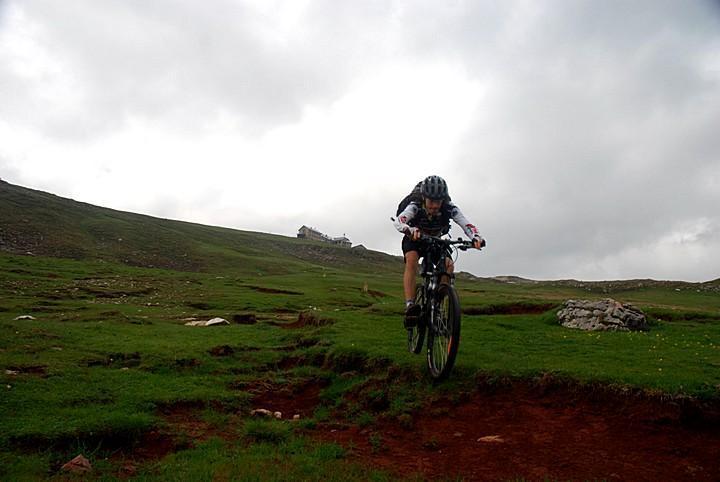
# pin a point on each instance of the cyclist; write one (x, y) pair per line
(430, 213)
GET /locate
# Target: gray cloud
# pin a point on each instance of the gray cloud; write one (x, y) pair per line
(592, 153)
(597, 137)
(7, 172)
(176, 63)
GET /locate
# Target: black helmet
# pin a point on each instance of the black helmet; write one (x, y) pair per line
(434, 187)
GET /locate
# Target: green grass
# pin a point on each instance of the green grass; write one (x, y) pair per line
(108, 351)
(673, 357)
(291, 459)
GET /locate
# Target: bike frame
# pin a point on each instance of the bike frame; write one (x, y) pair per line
(440, 314)
(434, 268)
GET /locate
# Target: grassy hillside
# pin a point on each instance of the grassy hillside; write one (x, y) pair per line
(47, 225)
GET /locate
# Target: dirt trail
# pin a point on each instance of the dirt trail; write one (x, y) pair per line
(520, 434)
(512, 431)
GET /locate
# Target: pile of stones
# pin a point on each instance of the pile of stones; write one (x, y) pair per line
(603, 315)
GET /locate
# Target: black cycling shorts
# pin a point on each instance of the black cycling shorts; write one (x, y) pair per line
(410, 245)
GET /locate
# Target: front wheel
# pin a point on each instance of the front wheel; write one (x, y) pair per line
(416, 334)
(444, 333)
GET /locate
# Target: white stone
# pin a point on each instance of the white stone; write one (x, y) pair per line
(496, 439)
(217, 321)
(261, 412)
(213, 322)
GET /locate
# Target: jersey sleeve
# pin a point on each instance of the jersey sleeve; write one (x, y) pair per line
(459, 218)
(401, 222)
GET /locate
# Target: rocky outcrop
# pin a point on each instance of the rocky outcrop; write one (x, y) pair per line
(604, 315)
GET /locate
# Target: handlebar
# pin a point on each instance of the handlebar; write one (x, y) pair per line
(460, 243)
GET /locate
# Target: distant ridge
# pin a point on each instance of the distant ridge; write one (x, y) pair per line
(617, 285)
(604, 286)
(513, 279)
(38, 223)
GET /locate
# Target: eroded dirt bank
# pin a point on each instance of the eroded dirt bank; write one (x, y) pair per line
(491, 429)
(520, 432)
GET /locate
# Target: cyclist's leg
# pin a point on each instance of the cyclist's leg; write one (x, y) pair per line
(411, 251)
(410, 275)
(412, 310)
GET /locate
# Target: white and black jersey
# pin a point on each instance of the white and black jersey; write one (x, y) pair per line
(415, 216)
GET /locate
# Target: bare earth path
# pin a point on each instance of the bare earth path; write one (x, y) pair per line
(520, 433)
(518, 430)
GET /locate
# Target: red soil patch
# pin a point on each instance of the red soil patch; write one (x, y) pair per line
(301, 399)
(374, 293)
(221, 350)
(183, 427)
(521, 433)
(186, 420)
(155, 445)
(305, 319)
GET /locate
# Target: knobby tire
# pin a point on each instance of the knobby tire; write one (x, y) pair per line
(443, 340)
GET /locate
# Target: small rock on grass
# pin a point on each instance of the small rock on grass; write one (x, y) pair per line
(78, 465)
(492, 439)
(261, 412)
(213, 322)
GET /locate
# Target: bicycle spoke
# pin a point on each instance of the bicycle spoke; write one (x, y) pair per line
(440, 353)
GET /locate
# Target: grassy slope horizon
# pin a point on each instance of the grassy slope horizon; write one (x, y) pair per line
(41, 223)
(44, 224)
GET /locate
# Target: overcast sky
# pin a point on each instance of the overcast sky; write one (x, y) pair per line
(581, 137)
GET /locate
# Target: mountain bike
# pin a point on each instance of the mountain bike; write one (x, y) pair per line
(439, 316)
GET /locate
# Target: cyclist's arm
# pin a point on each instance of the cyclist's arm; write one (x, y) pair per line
(401, 222)
(468, 228)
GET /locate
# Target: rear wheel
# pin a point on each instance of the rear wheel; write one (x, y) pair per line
(416, 334)
(444, 333)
